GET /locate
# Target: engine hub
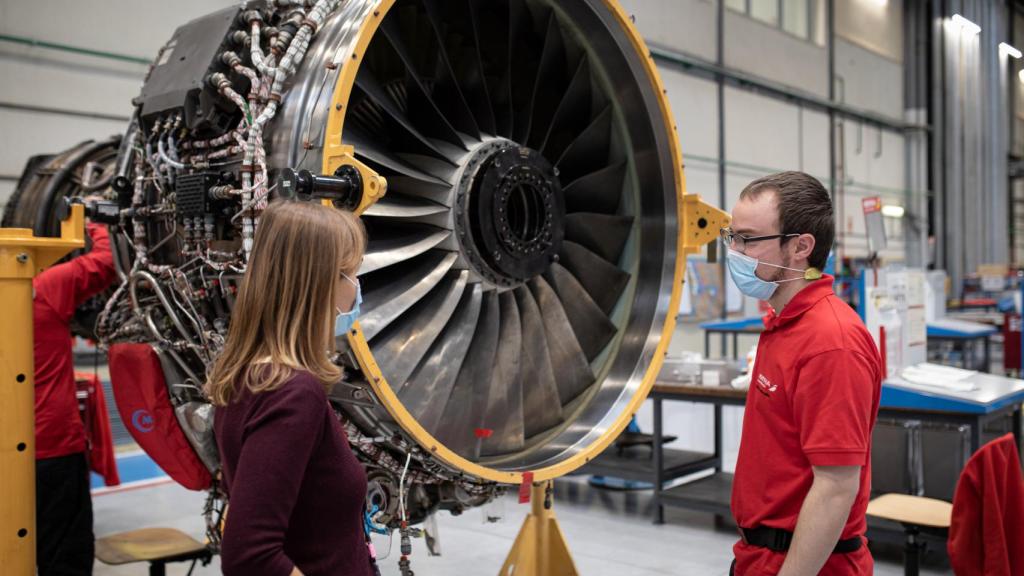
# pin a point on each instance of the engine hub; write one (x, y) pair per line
(510, 213)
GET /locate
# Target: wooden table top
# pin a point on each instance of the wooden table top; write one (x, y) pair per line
(672, 388)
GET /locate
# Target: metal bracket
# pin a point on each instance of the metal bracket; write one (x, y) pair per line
(701, 223)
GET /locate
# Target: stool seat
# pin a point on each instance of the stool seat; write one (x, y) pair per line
(913, 510)
(147, 545)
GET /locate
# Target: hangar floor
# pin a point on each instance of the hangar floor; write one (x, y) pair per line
(609, 533)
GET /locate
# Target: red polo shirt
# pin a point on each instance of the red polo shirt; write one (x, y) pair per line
(813, 401)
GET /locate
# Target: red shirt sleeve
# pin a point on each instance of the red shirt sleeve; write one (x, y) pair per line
(278, 441)
(834, 406)
(65, 286)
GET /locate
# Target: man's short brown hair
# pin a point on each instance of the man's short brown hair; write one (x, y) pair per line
(804, 208)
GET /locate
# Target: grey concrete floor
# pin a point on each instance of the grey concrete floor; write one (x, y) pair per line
(609, 533)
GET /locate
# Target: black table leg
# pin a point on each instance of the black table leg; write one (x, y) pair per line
(735, 345)
(659, 508)
(988, 355)
(976, 429)
(707, 344)
(1016, 425)
(718, 437)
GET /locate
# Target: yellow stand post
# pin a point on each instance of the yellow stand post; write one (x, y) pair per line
(22, 256)
(540, 549)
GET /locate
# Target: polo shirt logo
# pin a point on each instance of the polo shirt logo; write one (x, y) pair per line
(765, 386)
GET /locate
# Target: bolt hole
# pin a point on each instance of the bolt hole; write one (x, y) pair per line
(22, 533)
(20, 377)
(21, 446)
(702, 223)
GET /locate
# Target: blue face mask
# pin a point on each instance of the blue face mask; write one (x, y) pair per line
(743, 268)
(345, 320)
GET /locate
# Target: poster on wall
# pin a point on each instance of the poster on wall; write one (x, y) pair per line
(703, 291)
(873, 223)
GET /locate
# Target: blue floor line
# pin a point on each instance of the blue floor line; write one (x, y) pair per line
(132, 468)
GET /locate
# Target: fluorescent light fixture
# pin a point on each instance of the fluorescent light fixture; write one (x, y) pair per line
(966, 25)
(1005, 48)
(1021, 75)
(892, 211)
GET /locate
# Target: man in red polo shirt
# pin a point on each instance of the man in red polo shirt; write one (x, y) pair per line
(64, 543)
(803, 475)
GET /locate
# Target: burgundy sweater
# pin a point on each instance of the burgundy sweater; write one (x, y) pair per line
(296, 491)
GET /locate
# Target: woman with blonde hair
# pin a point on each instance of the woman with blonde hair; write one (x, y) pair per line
(296, 489)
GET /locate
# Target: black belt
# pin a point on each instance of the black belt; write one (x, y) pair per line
(778, 540)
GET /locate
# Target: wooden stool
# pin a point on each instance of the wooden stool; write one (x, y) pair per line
(158, 546)
(914, 513)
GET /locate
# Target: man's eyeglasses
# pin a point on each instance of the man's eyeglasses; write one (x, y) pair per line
(739, 241)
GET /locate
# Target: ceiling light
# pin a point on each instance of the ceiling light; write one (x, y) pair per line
(892, 211)
(966, 25)
(1005, 48)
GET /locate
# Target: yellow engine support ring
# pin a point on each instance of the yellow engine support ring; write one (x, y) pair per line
(690, 238)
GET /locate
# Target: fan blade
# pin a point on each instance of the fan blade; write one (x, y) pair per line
(542, 408)
(549, 83)
(368, 84)
(427, 392)
(388, 298)
(568, 362)
(592, 328)
(400, 247)
(599, 191)
(396, 205)
(469, 398)
(522, 71)
(571, 115)
(365, 149)
(589, 151)
(602, 280)
(423, 109)
(475, 73)
(504, 415)
(403, 345)
(449, 91)
(603, 234)
(409, 186)
(492, 35)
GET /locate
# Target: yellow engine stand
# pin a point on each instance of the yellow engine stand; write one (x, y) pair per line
(22, 256)
(540, 548)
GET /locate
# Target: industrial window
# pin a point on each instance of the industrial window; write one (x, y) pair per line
(737, 5)
(792, 16)
(766, 11)
(795, 17)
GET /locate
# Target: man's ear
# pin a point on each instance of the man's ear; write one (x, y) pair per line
(803, 246)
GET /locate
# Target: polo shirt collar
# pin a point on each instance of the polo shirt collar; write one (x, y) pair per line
(802, 302)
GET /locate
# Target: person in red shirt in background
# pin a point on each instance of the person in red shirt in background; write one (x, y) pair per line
(802, 479)
(64, 542)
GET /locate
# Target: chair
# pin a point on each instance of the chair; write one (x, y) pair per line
(915, 513)
(158, 546)
(992, 476)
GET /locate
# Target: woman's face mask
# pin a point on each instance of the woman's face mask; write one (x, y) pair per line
(345, 320)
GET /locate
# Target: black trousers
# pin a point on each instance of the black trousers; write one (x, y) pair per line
(64, 540)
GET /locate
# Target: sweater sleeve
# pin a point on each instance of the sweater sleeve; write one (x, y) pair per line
(279, 438)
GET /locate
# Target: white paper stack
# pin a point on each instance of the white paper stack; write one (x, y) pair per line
(941, 377)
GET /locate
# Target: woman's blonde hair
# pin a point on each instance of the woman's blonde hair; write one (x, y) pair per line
(283, 318)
